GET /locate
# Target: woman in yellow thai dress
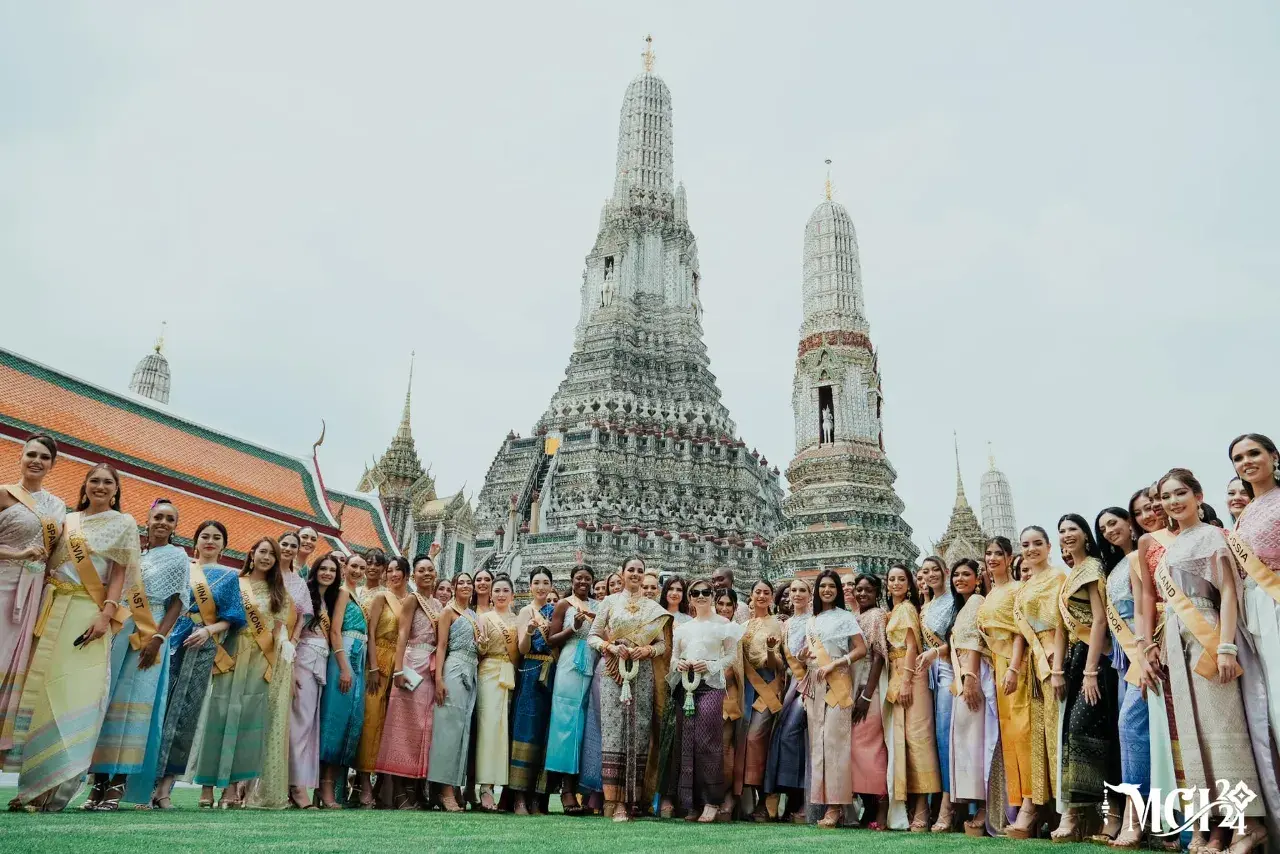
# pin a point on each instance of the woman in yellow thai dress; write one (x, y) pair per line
(1013, 690)
(766, 685)
(1035, 607)
(914, 752)
(271, 789)
(232, 743)
(384, 608)
(64, 697)
(495, 681)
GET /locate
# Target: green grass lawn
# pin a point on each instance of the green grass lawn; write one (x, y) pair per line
(190, 829)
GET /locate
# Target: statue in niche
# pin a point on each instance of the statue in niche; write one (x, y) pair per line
(607, 290)
(828, 426)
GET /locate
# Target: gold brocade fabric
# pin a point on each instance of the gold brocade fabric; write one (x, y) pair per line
(995, 619)
(903, 622)
(965, 634)
(1073, 600)
(1037, 599)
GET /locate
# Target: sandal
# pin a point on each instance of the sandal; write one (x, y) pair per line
(1256, 838)
(97, 792)
(449, 803)
(830, 820)
(976, 826)
(621, 814)
(404, 801)
(111, 802)
(946, 822)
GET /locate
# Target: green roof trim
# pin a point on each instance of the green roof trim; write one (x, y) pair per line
(12, 360)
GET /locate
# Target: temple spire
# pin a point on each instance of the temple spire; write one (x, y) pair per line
(960, 498)
(160, 341)
(403, 430)
(648, 53)
(828, 184)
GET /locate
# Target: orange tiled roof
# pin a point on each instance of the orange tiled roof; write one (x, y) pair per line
(364, 526)
(36, 398)
(243, 528)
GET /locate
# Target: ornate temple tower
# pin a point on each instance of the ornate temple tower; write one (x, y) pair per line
(964, 536)
(635, 452)
(151, 376)
(842, 512)
(998, 519)
(417, 516)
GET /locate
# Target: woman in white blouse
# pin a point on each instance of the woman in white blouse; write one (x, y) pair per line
(704, 648)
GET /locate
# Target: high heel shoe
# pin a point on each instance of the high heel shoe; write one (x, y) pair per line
(946, 820)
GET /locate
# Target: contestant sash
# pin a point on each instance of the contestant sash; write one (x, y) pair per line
(48, 531)
(766, 692)
(222, 662)
(1078, 630)
(48, 525)
(1124, 636)
(1253, 565)
(262, 633)
(1039, 657)
(839, 683)
(1204, 632)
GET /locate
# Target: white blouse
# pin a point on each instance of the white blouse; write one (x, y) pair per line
(714, 641)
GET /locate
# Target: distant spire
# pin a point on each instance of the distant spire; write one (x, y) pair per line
(960, 499)
(648, 53)
(828, 185)
(991, 456)
(160, 340)
(404, 417)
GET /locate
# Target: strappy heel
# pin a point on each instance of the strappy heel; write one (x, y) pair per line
(97, 793)
(111, 802)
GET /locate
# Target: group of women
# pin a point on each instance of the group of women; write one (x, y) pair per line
(1003, 697)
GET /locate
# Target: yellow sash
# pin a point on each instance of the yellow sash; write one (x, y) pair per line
(430, 607)
(766, 692)
(262, 634)
(1039, 657)
(80, 552)
(839, 682)
(1122, 633)
(135, 597)
(48, 525)
(1258, 571)
(1204, 632)
(222, 662)
(644, 635)
(1078, 630)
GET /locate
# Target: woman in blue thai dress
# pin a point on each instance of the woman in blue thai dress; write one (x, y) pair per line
(531, 711)
(196, 651)
(936, 618)
(129, 744)
(342, 702)
(570, 625)
(667, 772)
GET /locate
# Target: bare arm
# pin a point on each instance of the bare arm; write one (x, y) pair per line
(559, 631)
(408, 610)
(1228, 614)
(160, 639)
(443, 626)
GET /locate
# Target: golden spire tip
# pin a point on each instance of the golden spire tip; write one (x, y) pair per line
(648, 53)
(828, 185)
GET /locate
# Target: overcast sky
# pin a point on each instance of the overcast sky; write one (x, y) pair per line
(1067, 218)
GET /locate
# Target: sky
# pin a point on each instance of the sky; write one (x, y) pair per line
(1066, 218)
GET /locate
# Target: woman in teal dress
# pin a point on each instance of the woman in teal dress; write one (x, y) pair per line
(342, 703)
(570, 625)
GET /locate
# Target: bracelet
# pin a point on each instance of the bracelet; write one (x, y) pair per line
(1228, 649)
(964, 673)
(1057, 673)
(106, 602)
(163, 638)
(1153, 645)
(1015, 670)
(1093, 673)
(865, 697)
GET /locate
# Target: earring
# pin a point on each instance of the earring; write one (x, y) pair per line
(1200, 513)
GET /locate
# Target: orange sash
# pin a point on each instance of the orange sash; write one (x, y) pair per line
(222, 662)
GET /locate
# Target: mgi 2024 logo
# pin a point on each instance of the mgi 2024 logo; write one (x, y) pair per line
(1195, 807)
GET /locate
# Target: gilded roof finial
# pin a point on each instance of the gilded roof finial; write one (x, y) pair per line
(828, 186)
(648, 53)
(160, 340)
(991, 455)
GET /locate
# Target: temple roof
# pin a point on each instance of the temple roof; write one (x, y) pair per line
(244, 528)
(155, 445)
(364, 525)
(963, 530)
